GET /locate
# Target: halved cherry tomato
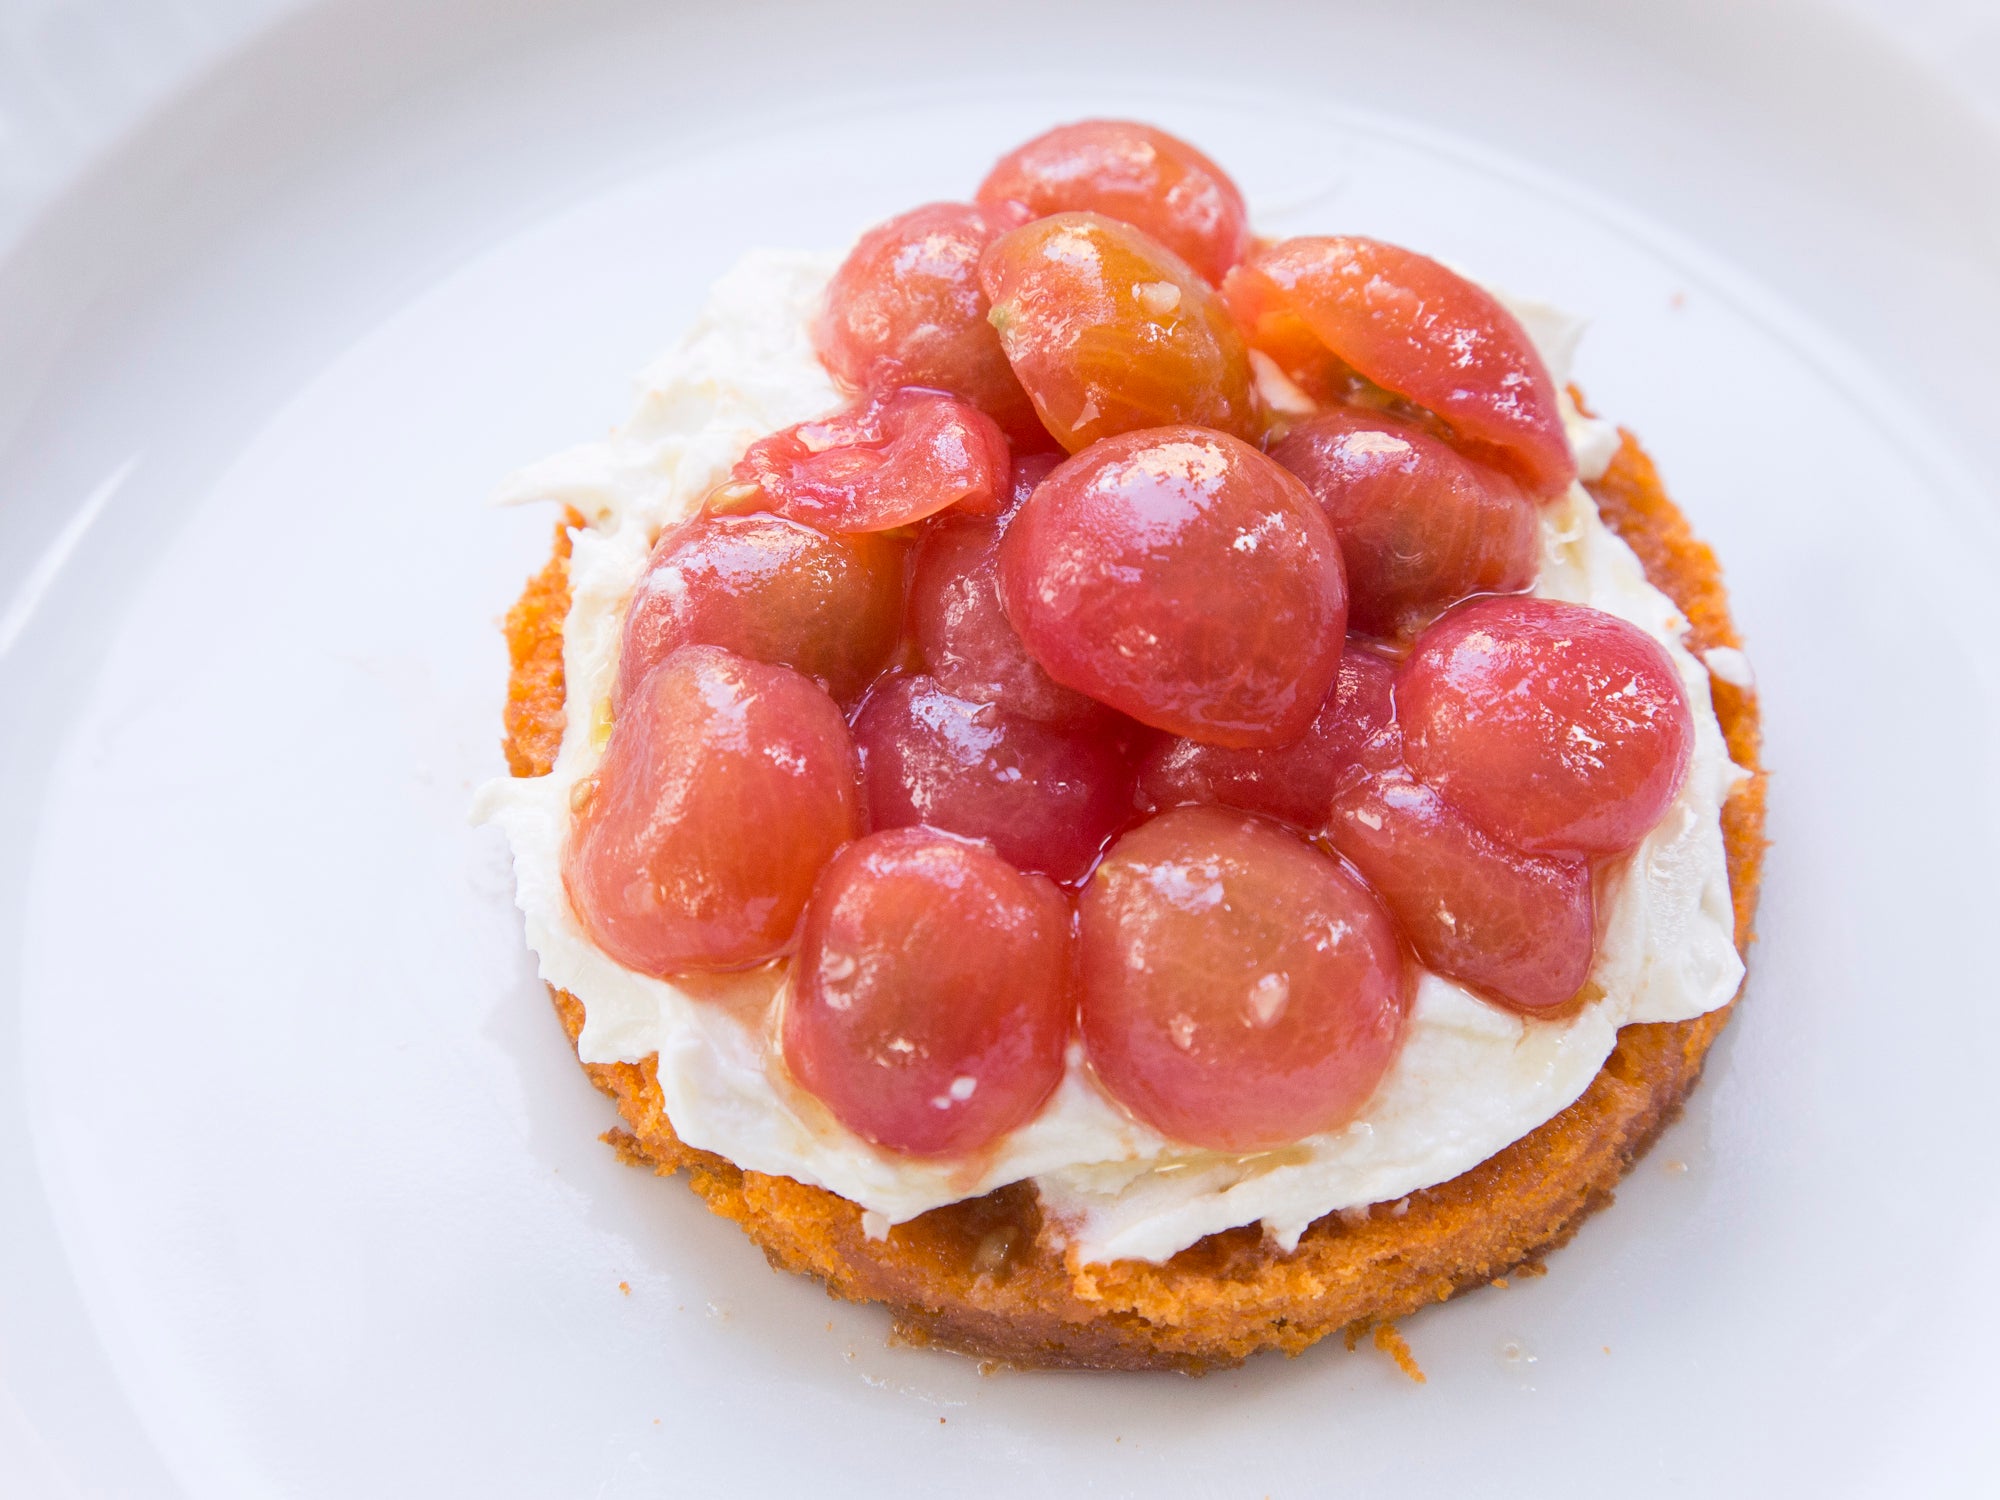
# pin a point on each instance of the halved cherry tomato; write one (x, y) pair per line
(1420, 526)
(905, 308)
(1047, 797)
(1557, 728)
(727, 784)
(1517, 926)
(1415, 328)
(1182, 577)
(933, 994)
(772, 590)
(886, 461)
(1240, 989)
(1110, 331)
(958, 624)
(1352, 734)
(1153, 181)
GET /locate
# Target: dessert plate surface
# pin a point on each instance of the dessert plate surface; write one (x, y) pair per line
(301, 1190)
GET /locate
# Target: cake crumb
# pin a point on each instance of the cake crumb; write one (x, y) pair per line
(1499, 1281)
(1392, 1343)
(625, 1287)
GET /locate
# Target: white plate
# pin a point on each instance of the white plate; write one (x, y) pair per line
(300, 1188)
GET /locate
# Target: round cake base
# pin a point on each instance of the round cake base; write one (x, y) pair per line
(982, 1277)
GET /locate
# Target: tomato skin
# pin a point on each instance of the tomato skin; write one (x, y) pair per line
(1420, 526)
(1110, 332)
(933, 994)
(770, 589)
(1518, 927)
(1185, 579)
(1413, 327)
(888, 460)
(905, 308)
(1240, 989)
(1353, 732)
(1557, 728)
(1045, 796)
(1144, 177)
(726, 785)
(967, 643)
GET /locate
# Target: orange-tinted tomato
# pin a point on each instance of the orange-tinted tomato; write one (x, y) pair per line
(772, 590)
(1414, 328)
(905, 308)
(1240, 989)
(1143, 176)
(1183, 578)
(891, 459)
(1110, 332)
(1420, 526)
(727, 784)
(933, 994)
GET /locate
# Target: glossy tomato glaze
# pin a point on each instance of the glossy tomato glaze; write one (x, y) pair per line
(1171, 606)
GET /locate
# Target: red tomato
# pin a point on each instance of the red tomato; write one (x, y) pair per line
(1519, 927)
(1420, 527)
(1557, 728)
(1294, 782)
(1110, 331)
(1414, 328)
(1182, 577)
(772, 590)
(905, 308)
(725, 787)
(884, 462)
(1045, 796)
(1240, 989)
(1153, 181)
(933, 994)
(967, 644)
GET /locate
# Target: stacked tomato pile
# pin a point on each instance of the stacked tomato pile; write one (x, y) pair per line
(1018, 700)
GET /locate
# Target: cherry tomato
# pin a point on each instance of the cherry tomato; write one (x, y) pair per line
(1557, 728)
(772, 590)
(933, 994)
(1153, 181)
(1110, 331)
(1352, 733)
(886, 461)
(1046, 797)
(1420, 527)
(725, 787)
(1417, 329)
(1519, 927)
(963, 633)
(1240, 989)
(905, 308)
(1182, 577)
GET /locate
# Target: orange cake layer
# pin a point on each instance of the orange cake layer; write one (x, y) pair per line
(985, 1278)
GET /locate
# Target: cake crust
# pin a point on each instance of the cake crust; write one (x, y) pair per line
(984, 1278)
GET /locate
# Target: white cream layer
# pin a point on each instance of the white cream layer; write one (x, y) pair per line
(1471, 1077)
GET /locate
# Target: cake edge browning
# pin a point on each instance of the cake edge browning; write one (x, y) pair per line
(987, 1277)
